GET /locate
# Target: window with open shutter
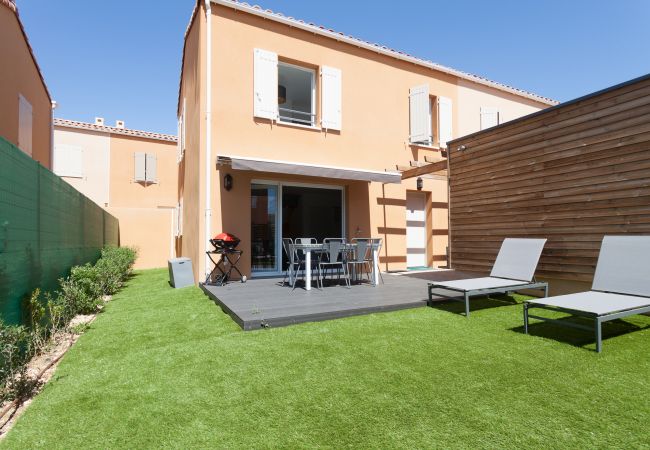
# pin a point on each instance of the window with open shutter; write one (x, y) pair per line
(489, 117)
(68, 161)
(420, 115)
(151, 169)
(331, 98)
(140, 166)
(265, 84)
(25, 119)
(445, 124)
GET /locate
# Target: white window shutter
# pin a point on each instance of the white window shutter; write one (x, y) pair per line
(179, 143)
(489, 117)
(419, 112)
(152, 168)
(140, 166)
(445, 124)
(332, 94)
(68, 161)
(25, 120)
(266, 84)
(183, 121)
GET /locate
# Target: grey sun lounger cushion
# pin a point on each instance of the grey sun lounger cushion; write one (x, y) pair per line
(518, 258)
(472, 284)
(596, 303)
(624, 265)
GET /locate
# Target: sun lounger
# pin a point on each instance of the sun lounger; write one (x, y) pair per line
(621, 287)
(513, 270)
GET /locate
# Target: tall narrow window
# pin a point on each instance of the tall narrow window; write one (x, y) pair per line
(296, 94)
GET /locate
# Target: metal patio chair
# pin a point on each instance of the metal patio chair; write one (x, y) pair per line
(287, 246)
(334, 255)
(361, 257)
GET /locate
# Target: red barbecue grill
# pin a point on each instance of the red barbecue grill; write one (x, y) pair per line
(225, 245)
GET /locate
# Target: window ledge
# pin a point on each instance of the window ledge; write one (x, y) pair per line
(297, 125)
(429, 147)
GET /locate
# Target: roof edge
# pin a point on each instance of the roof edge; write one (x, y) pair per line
(66, 123)
(12, 6)
(381, 49)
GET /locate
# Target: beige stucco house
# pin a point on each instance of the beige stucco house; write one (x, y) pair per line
(25, 103)
(132, 174)
(289, 129)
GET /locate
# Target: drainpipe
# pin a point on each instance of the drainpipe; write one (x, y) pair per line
(208, 133)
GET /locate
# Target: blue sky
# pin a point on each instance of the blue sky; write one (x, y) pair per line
(120, 59)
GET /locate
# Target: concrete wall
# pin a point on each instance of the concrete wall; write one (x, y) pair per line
(96, 162)
(20, 76)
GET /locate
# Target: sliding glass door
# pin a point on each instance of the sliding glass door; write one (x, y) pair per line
(264, 229)
(292, 210)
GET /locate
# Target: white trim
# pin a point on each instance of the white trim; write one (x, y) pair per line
(378, 49)
(208, 137)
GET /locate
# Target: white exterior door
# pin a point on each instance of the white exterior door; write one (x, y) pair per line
(416, 237)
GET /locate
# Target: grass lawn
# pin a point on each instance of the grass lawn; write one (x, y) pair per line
(166, 368)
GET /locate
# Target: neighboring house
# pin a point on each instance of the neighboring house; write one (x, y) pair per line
(571, 174)
(25, 103)
(302, 131)
(132, 174)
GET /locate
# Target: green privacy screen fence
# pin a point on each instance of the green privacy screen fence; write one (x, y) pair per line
(46, 227)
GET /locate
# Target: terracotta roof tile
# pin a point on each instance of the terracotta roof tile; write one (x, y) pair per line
(113, 130)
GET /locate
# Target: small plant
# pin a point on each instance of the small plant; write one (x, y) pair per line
(14, 353)
(114, 268)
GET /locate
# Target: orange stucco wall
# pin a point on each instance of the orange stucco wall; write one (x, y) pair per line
(374, 135)
(19, 75)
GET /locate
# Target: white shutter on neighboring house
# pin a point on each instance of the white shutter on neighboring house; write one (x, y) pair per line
(420, 114)
(151, 168)
(68, 161)
(489, 117)
(25, 120)
(266, 84)
(140, 166)
(445, 124)
(332, 93)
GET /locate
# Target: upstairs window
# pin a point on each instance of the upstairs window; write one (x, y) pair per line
(296, 94)
(25, 120)
(489, 117)
(430, 118)
(145, 168)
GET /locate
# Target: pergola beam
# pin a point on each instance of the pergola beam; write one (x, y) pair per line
(438, 166)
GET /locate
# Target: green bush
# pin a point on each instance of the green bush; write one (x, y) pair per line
(15, 351)
(80, 293)
(114, 268)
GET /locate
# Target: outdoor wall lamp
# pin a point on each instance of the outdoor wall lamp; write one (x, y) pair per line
(227, 182)
(419, 183)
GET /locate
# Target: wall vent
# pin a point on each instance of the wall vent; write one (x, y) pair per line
(119, 124)
(99, 121)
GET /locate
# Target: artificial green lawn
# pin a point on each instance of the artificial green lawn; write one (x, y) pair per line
(167, 368)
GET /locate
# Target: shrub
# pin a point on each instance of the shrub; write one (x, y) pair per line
(15, 351)
(114, 268)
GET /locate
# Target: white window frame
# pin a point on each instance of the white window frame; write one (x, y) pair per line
(313, 94)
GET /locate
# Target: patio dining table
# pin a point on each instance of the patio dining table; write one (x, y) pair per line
(308, 249)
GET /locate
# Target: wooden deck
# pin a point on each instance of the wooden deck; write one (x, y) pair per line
(261, 303)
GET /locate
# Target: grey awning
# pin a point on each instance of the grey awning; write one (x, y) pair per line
(311, 170)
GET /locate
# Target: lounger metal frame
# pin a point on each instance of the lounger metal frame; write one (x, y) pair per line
(466, 294)
(598, 319)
